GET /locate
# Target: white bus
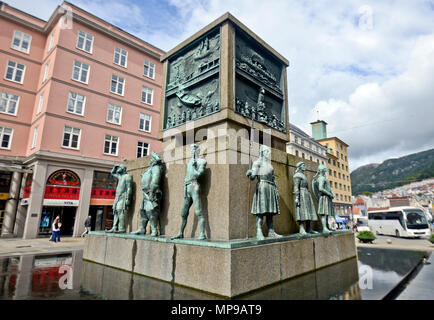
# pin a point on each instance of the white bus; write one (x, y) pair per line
(399, 221)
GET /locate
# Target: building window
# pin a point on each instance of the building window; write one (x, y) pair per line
(339, 175)
(35, 137)
(21, 41)
(329, 161)
(296, 153)
(120, 57)
(5, 137)
(346, 159)
(41, 103)
(117, 85)
(71, 137)
(145, 122)
(50, 44)
(149, 69)
(330, 172)
(142, 149)
(80, 72)
(334, 173)
(85, 41)
(334, 162)
(338, 164)
(47, 68)
(147, 94)
(336, 185)
(15, 71)
(9, 103)
(114, 114)
(340, 186)
(111, 145)
(76, 103)
(302, 155)
(310, 158)
(345, 188)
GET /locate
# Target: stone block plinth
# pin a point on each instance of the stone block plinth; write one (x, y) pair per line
(226, 268)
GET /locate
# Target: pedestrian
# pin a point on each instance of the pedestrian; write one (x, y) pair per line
(56, 229)
(87, 225)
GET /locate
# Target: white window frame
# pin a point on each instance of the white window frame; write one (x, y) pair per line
(35, 137)
(110, 147)
(113, 108)
(75, 103)
(120, 53)
(151, 66)
(40, 103)
(148, 92)
(46, 70)
(80, 72)
(70, 138)
(143, 148)
(85, 36)
(50, 43)
(7, 101)
(143, 117)
(20, 35)
(14, 73)
(2, 130)
(118, 82)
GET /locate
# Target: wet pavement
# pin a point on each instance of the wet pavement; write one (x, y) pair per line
(421, 287)
(17, 247)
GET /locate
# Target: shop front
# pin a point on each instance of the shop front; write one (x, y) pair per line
(61, 198)
(101, 200)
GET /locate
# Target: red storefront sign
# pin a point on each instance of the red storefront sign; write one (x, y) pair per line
(63, 193)
(101, 193)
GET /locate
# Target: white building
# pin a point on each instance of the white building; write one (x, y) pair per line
(304, 146)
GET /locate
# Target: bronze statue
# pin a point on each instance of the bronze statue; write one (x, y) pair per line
(304, 206)
(324, 195)
(150, 206)
(195, 169)
(122, 198)
(266, 197)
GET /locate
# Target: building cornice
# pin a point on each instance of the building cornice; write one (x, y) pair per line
(67, 159)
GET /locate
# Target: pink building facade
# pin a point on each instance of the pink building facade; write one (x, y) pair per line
(78, 95)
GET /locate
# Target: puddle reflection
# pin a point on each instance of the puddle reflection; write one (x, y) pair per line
(67, 276)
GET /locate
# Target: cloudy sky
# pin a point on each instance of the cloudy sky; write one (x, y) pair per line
(365, 67)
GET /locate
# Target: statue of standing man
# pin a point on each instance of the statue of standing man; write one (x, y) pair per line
(195, 169)
(122, 199)
(266, 197)
(324, 195)
(150, 206)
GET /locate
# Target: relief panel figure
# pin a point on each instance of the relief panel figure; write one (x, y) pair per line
(192, 84)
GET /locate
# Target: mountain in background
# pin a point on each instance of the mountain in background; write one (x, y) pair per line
(393, 172)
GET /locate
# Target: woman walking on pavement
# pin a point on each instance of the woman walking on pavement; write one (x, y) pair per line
(56, 230)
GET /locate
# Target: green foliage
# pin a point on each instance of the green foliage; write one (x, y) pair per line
(393, 173)
(431, 239)
(367, 193)
(366, 235)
